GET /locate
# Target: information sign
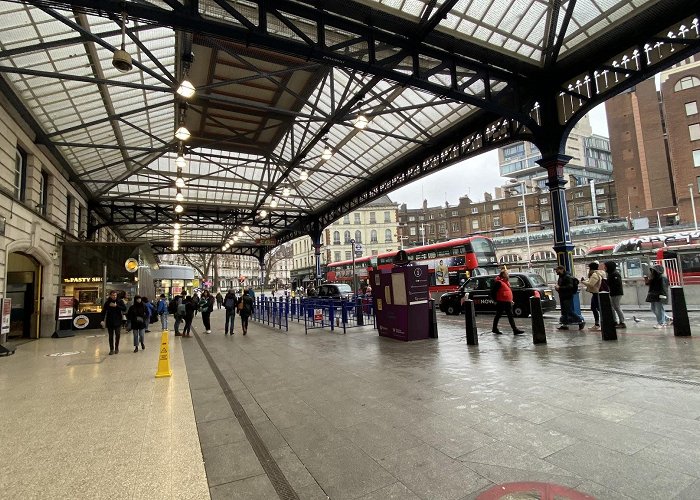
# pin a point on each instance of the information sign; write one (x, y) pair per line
(6, 311)
(318, 314)
(65, 308)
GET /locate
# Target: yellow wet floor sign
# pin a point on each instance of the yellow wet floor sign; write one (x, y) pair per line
(164, 357)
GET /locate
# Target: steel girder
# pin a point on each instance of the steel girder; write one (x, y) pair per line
(163, 247)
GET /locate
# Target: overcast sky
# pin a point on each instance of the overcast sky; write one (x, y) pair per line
(472, 177)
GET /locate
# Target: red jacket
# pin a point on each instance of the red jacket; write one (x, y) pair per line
(504, 293)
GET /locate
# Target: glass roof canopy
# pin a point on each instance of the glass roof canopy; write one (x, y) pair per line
(425, 75)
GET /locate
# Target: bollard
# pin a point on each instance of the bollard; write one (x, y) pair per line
(539, 335)
(607, 317)
(681, 323)
(470, 320)
(359, 313)
(432, 320)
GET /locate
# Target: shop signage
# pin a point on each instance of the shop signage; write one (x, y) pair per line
(65, 308)
(81, 321)
(6, 311)
(83, 279)
(131, 265)
(269, 242)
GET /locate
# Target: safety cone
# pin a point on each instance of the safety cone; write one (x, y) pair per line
(164, 357)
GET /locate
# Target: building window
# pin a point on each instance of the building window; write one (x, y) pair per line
(20, 186)
(358, 236)
(44, 193)
(431, 217)
(411, 219)
(602, 208)
(431, 229)
(475, 224)
(69, 213)
(336, 237)
(521, 219)
(387, 236)
(475, 210)
(375, 252)
(455, 227)
(578, 194)
(544, 216)
(543, 201)
(580, 210)
(520, 203)
(357, 218)
(495, 207)
(336, 256)
(372, 218)
(373, 236)
(412, 231)
(346, 219)
(694, 131)
(348, 255)
(455, 213)
(346, 236)
(497, 221)
(691, 108)
(696, 158)
(599, 191)
(387, 216)
(686, 83)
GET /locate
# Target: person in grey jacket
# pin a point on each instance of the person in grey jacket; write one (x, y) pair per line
(616, 291)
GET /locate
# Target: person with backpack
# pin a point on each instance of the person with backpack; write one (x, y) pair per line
(503, 295)
(188, 314)
(151, 314)
(567, 286)
(112, 312)
(206, 306)
(245, 310)
(162, 311)
(181, 311)
(616, 292)
(657, 295)
(594, 284)
(219, 300)
(230, 302)
(173, 309)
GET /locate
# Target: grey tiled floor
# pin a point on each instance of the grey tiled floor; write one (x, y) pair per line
(356, 416)
(362, 417)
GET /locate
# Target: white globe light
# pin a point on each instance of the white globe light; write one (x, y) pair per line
(327, 153)
(186, 89)
(246, 228)
(240, 233)
(263, 213)
(303, 175)
(286, 192)
(180, 182)
(179, 197)
(177, 225)
(235, 238)
(178, 209)
(182, 133)
(180, 162)
(361, 121)
(273, 203)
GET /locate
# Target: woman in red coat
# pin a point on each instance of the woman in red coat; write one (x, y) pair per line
(504, 302)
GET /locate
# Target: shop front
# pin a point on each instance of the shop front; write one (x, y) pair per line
(90, 271)
(172, 280)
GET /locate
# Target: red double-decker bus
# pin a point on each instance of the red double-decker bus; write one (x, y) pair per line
(449, 262)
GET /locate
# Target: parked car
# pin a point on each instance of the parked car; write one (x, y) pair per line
(478, 289)
(335, 291)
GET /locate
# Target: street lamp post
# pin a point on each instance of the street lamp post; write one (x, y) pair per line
(352, 244)
(692, 205)
(527, 230)
(422, 233)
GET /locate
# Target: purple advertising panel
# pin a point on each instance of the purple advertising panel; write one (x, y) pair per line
(401, 302)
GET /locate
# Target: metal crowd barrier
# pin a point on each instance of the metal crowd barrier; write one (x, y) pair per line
(314, 312)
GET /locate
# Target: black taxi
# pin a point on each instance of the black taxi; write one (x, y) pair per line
(478, 289)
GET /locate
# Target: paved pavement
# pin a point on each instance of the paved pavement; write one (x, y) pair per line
(289, 415)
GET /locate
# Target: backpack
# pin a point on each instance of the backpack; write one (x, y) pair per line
(172, 306)
(493, 293)
(181, 310)
(230, 302)
(604, 287)
(575, 283)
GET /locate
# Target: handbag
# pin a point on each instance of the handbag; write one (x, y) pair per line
(240, 305)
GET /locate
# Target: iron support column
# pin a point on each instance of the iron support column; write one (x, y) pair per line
(316, 242)
(563, 246)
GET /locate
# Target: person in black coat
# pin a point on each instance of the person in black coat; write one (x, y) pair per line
(137, 316)
(112, 312)
(245, 310)
(230, 302)
(616, 291)
(189, 316)
(567, 289)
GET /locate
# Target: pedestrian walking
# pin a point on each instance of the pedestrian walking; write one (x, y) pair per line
(503, 295)
(593, 285)
(206, 306)
(230, 303)
(151, 315)
(112, 312)
(245, 309)
(657, 295)
(195, 302)
(137, 316)
(614, 279)
(567, 286)
(188, 316)
(219, 300)
(162, 310)
(177, 308)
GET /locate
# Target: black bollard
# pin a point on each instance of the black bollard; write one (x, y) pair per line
(432, 320)
(539, 335)
(681, 323)
(359, 313)
(470, 322)
(607, 317)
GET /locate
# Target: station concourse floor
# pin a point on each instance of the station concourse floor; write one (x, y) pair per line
(280, 414)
